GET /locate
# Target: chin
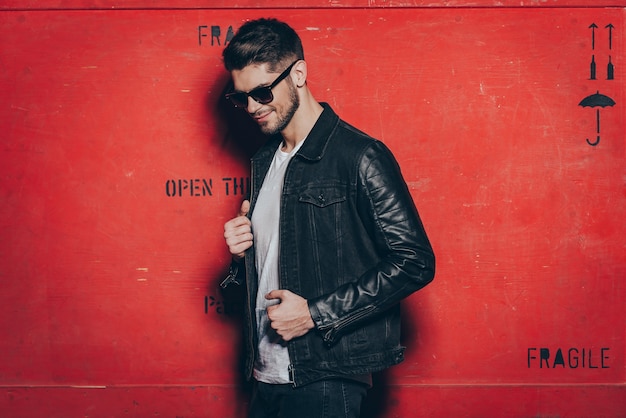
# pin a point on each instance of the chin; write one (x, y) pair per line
(269, 130)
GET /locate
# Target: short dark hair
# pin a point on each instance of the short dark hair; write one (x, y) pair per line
(263, 41)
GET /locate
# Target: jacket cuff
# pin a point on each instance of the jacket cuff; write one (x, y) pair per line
(329, 332)
(315, 314)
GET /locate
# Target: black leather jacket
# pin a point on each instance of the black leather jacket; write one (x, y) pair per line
(351, 243)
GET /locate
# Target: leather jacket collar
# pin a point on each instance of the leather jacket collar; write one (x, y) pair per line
(316, 142)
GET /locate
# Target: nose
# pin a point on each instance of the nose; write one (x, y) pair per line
(252, 105)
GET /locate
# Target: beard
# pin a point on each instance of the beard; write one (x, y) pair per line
(286, 115)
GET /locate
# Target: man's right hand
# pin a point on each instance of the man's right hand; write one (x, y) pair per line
(238, 232)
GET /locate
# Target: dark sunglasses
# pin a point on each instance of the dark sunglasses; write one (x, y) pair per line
(262, 95)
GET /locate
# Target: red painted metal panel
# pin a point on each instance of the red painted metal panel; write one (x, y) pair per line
(298, 4)
(400, 401)
(119, 169)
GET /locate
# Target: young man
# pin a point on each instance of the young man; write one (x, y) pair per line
(328, 244)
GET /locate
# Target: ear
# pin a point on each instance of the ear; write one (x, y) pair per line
(299, 73)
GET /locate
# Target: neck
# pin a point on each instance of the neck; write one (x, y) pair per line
(302, 122)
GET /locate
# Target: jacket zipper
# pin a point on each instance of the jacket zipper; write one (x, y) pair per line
(251, 183)
(330, 335)
(251, 319)
(288, 170)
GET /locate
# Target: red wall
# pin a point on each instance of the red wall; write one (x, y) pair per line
(119, 165)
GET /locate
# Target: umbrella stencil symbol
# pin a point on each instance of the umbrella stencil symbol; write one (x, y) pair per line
(596, 100)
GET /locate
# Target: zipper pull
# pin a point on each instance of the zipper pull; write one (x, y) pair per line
(329, 336)
(231, 278)
(227, 281)
(292, 378)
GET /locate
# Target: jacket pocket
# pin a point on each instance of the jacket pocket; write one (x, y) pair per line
(323, 208)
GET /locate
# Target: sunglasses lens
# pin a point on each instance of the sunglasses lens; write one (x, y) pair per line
(238, 99)
(262, 95)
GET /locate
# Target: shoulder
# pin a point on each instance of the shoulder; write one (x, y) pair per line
(348, 131)
(358, 143)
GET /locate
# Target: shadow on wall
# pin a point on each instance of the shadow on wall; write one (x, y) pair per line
(381, 397)
(235, 296)
(241, 136)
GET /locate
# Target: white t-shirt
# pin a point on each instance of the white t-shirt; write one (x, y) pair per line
(272, 363)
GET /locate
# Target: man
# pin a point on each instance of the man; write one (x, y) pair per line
(328, 244)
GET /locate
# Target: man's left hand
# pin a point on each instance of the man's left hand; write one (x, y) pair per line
(291, 317)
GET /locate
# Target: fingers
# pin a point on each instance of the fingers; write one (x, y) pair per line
(238, 250)
(238, 232)
(238, 223)
(291, 317)
(238, 242)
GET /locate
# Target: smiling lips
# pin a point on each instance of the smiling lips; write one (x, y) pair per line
(261, 116)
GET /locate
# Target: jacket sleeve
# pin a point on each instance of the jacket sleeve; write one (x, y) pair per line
(406, 259)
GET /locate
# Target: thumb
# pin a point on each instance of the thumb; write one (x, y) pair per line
(245, 207)
(275, 294)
